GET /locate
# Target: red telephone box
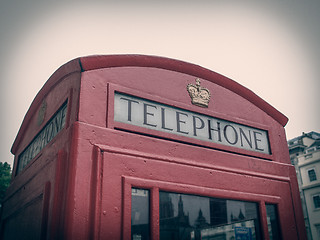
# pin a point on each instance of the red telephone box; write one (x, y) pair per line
(143, 147)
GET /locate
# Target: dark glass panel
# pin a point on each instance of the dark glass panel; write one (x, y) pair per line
(273, 222)
(189, 217)
(140, 224)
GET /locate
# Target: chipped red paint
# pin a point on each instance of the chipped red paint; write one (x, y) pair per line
(79, 185)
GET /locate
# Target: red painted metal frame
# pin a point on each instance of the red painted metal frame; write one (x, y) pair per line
(155, 186)
(72, 172)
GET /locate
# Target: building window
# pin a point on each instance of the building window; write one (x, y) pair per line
(190, 217)
(312, 175)
(311, 150)
(316, 201)
(308, 156)
(318, 230)
(140, 225)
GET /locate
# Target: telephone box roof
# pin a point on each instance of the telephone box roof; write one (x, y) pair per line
(88, 63)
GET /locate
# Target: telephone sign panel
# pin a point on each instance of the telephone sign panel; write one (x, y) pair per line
(160, 117)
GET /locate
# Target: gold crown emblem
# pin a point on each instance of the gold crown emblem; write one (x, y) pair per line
(200, 96)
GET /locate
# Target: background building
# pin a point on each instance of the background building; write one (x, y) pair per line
(305, 156)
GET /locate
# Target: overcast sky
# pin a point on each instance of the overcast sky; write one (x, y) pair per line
(270, 47)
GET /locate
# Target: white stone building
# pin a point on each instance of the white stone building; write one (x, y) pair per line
(305, 156)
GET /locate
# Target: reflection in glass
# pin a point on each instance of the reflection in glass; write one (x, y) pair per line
(273, 224)
(189, 217)
(140, 226)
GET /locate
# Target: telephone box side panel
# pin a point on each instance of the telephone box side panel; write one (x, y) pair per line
(50, 115)
(30, 207)
(169, 177)
(175, 163)
(82, 200)
(29, 121)
(43, 138)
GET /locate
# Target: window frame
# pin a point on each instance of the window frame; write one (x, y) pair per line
(315, 174)
(313, 200)
(277, 216)
(155, 186)
(148, 207)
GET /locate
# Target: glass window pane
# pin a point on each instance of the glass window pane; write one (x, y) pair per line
(312, 175)
(273, 222)
(189, 217)
(140, 225)
(316, 201)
